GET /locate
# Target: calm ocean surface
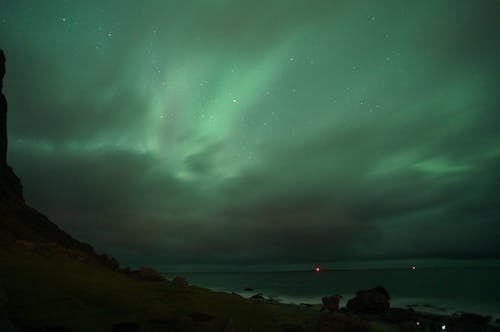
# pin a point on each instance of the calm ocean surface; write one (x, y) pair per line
(431, 286)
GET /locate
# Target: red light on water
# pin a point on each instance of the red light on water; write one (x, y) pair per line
(317, 269)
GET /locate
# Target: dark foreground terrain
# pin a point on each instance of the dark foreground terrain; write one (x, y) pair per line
(48, 287)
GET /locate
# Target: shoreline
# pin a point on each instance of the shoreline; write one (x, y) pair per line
(423, 309)
(420, 305)
(424, 317)
(408, 289)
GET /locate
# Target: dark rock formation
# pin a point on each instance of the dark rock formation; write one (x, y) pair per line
(10, 185)
(331, 303)
(372, 301)
(150, 274)
(3, 115)
(378, 289)
(180, 282)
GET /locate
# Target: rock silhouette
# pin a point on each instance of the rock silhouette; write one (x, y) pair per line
(372, 301)
(180, 282)
(10, 185)
(3, 115)
(147, 273)
(331, 303)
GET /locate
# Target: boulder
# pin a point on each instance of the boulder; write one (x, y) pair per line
(378, 289)
(372, 301)
(149, 274)
(331, 303)
(180, 282)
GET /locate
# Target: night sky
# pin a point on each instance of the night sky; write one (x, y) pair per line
(259, 131)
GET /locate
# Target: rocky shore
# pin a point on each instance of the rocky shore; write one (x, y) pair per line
(370, 310)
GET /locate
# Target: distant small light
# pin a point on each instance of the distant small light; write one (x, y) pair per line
(234, 100)
(443, 327)
(413, 267)
(418, 323)
(317, 269)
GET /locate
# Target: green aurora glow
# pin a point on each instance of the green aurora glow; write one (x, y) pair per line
(193, 131)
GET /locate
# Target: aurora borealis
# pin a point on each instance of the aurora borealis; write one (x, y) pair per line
(259, 131)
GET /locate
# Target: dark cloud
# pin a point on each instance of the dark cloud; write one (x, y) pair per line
(231, 131)
(205, 160)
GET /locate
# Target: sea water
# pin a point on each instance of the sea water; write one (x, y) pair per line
(432, 287)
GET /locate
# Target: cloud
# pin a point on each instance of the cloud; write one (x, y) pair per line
(250, 132)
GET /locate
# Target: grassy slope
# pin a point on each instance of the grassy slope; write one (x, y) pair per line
(47, 289)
